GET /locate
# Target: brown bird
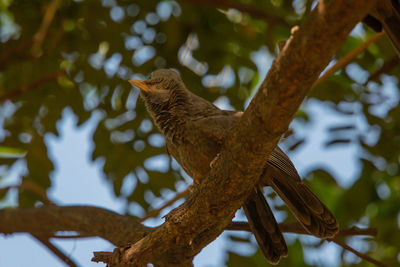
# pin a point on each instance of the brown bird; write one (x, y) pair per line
(195, 130)
(386, 16)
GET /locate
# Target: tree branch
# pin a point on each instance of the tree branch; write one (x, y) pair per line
(39, 37)
(12, 55)
(47, 78)
(296, 228)
(31, 186)
(344, 61)
(359, 254)
(207, 212)
(16, 53)
(87, 221)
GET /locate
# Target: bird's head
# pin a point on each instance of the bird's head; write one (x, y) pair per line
(164, 94)
(165, 87)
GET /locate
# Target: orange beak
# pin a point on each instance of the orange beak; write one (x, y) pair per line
(141, 85)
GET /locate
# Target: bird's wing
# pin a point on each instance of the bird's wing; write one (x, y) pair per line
(281, 161)
(214, 127)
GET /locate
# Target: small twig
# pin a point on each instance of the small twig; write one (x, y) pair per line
(42, 31)
(155, 212)
(281, 44)
(35, 84)
(61, 255)
(35, 188)
(347, 58)
(102, 256)
(298, 229)
(238, 226)
(11, 55)
(359, 254)
(358, 231)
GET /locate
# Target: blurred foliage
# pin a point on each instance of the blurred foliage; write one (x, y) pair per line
(91, 49)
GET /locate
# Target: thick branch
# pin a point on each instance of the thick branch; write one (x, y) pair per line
(207, 212)
(88, 221)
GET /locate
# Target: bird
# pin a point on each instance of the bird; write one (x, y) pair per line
(194, 130)
(386, 16)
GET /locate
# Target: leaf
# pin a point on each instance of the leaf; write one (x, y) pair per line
(11, 152)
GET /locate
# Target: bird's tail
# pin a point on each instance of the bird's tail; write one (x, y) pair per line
(264, 227)
(305, 205)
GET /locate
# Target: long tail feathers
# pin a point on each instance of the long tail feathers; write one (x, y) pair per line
(305, 205)
(264, 227)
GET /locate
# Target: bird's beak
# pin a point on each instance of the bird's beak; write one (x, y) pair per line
(141, 85)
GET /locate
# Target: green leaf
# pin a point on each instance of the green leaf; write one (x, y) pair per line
(11, 152)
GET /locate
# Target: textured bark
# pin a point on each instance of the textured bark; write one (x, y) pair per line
(207, 212)
(86, 221)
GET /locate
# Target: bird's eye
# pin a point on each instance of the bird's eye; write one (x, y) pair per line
(158, 88)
